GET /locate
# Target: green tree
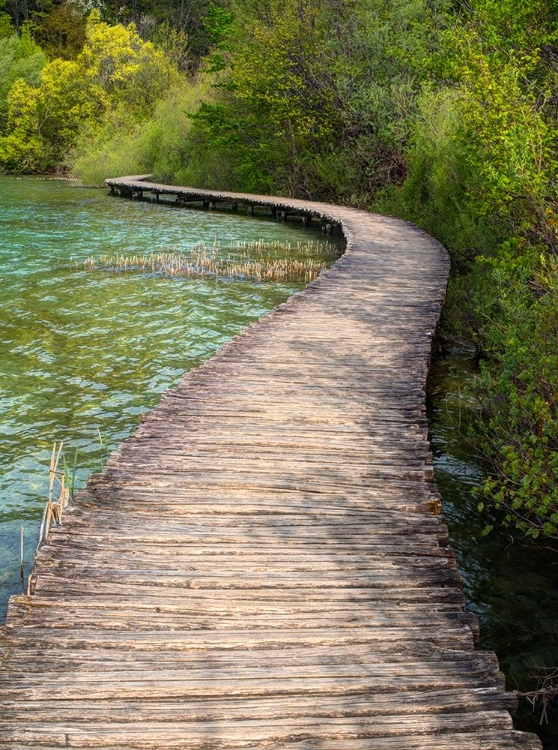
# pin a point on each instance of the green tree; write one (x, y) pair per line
(316, 97)
(6, 27)
(43, 120)
(61, 30)
(127, 69)
(279, 106)
(117, 75)
(389, 44)
(20, 58)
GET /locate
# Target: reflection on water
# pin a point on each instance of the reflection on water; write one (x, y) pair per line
(512, 585)
(85, 352)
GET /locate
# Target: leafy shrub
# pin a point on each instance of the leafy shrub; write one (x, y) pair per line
(158, 145)
(20, 58)
(517, 306)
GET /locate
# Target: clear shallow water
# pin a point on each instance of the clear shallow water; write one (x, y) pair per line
(88, 351)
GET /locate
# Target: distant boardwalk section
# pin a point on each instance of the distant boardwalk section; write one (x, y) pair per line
(262, 565)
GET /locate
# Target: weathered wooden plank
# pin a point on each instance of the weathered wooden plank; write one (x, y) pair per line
(176, 621)
(491, 740)
(408, 703)
(120, 660)
(279, 598)
(454, 638)
(246, 734)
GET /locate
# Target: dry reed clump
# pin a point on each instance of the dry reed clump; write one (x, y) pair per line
(257, 261)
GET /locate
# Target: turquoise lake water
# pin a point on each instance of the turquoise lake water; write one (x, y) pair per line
(86, 352)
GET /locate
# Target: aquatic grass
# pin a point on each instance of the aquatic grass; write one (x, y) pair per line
(258, 261)
(70, 471)
(316, 248)
(103, 446)
(54, 507)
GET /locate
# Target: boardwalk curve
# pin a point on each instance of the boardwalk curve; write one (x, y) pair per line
(261, 565)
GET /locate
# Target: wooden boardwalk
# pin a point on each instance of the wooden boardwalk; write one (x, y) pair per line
(261, 565)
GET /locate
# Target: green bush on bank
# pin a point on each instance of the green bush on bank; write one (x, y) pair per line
(516, 297)
(159, 144)
(115, 72)
(20, 59)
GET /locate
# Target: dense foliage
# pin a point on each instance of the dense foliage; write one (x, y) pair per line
(441, 111)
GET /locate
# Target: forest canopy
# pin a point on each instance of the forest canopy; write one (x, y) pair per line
(444, 112)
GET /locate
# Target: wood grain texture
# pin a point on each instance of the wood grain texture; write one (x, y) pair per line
(262, 565)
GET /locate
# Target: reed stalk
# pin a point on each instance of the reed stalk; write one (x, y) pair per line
(21, 554)
(256, 261)
(55, 507)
